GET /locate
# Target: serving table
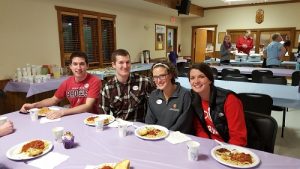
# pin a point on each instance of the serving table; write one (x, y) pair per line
(106, 146)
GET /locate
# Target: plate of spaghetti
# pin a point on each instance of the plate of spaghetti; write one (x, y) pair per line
(29, 149)
(91, 120)
(151, 132)
(44, 110)
(235, 156)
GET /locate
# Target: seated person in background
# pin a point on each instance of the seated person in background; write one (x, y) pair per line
(169, 104)
(275, 51)
(126, 94)
(245, 43)
(81, 89)
(173, 56)
(225, 50)
(6, 128)
(218, 113)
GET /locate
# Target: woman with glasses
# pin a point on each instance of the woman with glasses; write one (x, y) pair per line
(218, 112)
(169, 104)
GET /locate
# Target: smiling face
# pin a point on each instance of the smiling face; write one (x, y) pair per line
(122, 66)
(199, 82)
(79, 67)
(161, 77)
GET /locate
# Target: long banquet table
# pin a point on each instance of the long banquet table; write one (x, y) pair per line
(248, 70)
(106, 72)
(106, 146)
(289, 64)
(282, 95)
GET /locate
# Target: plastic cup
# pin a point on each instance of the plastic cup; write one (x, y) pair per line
(193, 150)
(122, 129)
(99, 123)
(33, 115)
(3, 119)
(58, 133)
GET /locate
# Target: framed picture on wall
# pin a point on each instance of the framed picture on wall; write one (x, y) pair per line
(221, 37)
(297, 38)
(160, 35)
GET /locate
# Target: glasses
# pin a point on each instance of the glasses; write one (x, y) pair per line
(160, 77)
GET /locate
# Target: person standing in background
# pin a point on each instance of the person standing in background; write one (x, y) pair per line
(245, 43)
(173, 56)
(275, 51)
(225, 50)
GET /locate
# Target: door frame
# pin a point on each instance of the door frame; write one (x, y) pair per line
(175, 37)
(194, 38)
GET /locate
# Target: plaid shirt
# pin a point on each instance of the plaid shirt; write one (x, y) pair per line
(126, 101)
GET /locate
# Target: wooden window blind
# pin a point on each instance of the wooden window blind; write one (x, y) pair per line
(87, 31)
(107, 30)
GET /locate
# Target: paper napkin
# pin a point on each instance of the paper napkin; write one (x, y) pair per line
(117, 121)
(46, 120)
(90, 167)
(177, 137)
(49, 161)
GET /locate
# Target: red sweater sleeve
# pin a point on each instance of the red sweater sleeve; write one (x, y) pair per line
(239, 42)
(234, 113)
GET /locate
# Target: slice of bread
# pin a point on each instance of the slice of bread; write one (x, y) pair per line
(125, 164)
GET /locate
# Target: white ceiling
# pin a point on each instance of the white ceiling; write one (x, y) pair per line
(215, 3)
(154, 8)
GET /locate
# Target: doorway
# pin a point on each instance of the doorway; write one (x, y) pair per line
(203, 42)
(171, 41)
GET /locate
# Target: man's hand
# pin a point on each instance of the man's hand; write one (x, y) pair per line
(55, 114)
(26, 107)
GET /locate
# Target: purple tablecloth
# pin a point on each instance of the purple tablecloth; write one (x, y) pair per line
(35, 88)
(106, 146)
(248, 70)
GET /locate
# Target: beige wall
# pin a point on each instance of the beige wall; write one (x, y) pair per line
(29, 33)
(284, 15)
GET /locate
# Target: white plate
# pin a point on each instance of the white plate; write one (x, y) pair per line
(105, 164)
(153, 126)
(14, 152)
(37, 109)
(239, 149)
(110, 119)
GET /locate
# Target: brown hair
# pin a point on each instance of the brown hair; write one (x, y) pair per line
(204, 68)
(170, 69)
(80, 55)
(119, 52)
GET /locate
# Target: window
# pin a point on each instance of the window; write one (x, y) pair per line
(90, 32)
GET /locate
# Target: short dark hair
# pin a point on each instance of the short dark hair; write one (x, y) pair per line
(80, 55)
(204, 68)
(287, 43)
(119, 52)
(170, 69)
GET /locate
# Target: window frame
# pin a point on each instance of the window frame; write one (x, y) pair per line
(84, 13)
